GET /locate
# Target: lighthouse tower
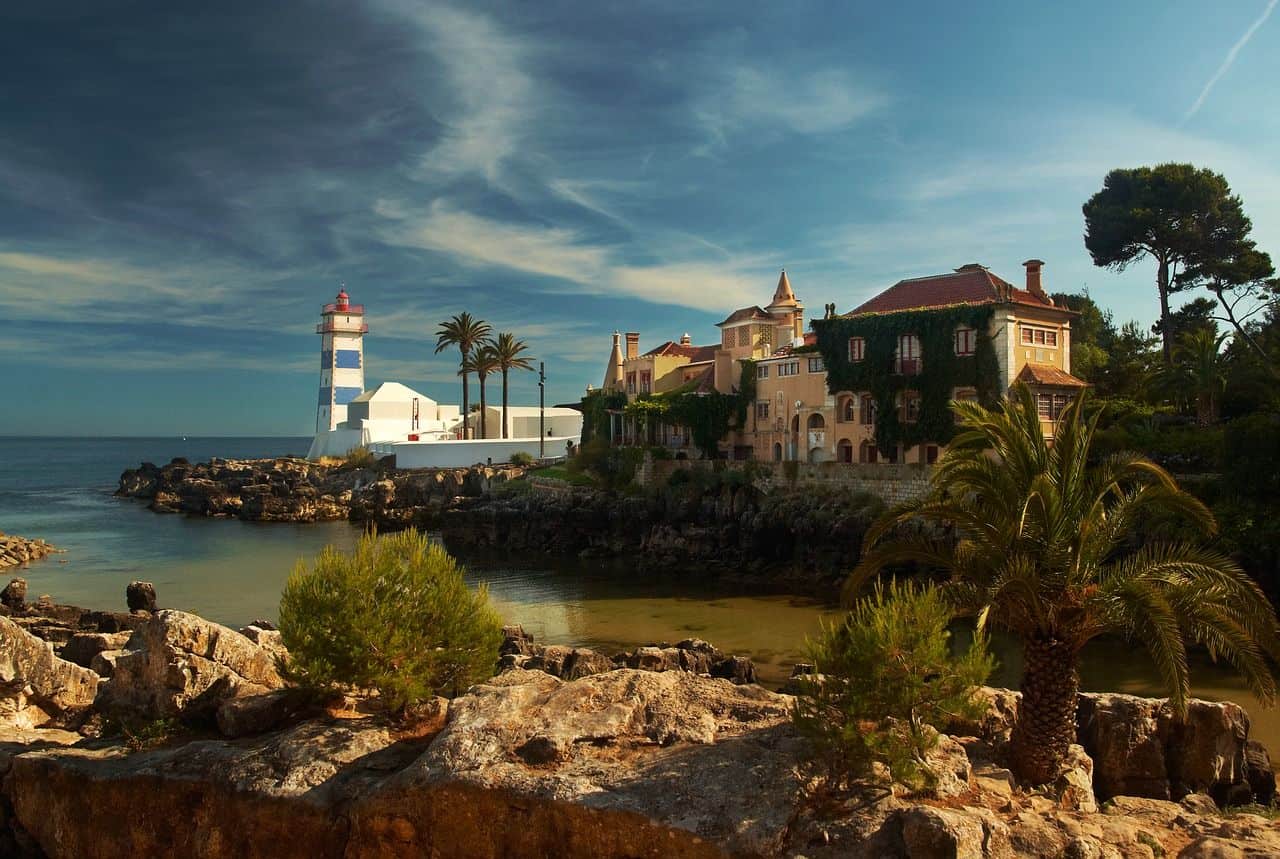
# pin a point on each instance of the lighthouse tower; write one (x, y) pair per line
(341, 329)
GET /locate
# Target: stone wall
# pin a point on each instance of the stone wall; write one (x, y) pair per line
(891, 483)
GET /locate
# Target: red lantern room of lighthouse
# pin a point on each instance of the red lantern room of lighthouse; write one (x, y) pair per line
(342, 329)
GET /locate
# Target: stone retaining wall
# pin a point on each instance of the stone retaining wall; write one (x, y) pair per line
(892, 483)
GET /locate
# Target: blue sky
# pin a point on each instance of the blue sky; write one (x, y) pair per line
(181, 186)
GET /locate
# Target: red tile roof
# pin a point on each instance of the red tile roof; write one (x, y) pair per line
(969, 284)
(1045, 374)
(810, 339)
(695, 354)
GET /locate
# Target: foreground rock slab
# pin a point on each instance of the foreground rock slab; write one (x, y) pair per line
(37, 687)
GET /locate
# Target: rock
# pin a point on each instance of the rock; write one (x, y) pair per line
(1139, 749)
(82, 647)
(141, 596)
(14, 595)
(950, 766)
(258, 714)
(1211, 848)
(936, 833)
(735, 669)
(1258, 772)
(1074, 786)
(38, 688)
(182, 665)
(104, 663)
(583, 662)
(268, 638)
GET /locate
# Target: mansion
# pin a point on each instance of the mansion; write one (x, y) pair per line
(870, 385)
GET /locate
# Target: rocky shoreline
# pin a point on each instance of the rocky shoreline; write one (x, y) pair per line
(193, 745)
(16, 551)
(800, 541)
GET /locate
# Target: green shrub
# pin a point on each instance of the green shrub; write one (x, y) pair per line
(522, 458)
(395, 615)
(614, 466)
(360, 457)
(886, 680)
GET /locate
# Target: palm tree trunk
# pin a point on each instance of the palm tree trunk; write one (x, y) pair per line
(1046, 724)
(484, 430)
(466, 408)
(504, 402)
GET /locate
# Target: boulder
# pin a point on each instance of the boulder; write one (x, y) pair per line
(183, 665)
(140, 596)
(937, 833)
(258, 714)
(1140, 749)
(1074, 786)
(14, 595)
(269, 638)
(82, 647)
(1258, 772)
(37, 687)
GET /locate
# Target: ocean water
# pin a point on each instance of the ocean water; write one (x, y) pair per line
(232, 572)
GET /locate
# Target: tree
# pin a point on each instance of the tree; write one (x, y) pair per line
(888, 681)
(395, 615)
(1195, 315)
(1198, 374)
(1178, 214)
(1092, 333)
(1130, 363)
(1041, 545)
(465, 332)
(1240, 277)
(509, 353)
(484, 363)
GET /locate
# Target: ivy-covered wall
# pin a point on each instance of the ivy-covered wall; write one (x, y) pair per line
(942, 370)
(709, 416)
(595, 412)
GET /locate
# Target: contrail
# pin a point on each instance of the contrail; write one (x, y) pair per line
(1231, 58)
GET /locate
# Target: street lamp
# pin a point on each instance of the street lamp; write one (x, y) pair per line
(542, 411)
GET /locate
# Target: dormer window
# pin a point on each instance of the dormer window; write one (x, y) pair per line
(966, 340)
(857, 348)
(1032, 336)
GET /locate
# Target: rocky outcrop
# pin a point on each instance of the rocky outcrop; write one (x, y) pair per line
(16, 551)
(518, 651)
(622, 764)
(38, 688)
(297, 490)
(181, 665)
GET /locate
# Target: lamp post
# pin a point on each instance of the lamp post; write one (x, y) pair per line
(542, 411)
(795, 439)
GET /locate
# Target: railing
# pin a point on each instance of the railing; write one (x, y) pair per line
(352, 309)
(342, 327)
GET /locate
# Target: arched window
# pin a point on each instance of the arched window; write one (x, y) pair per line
(867, 452)
(816, 422)
(846, 410)
(777, 452)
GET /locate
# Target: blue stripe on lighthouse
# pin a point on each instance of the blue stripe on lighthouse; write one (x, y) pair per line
(342, 396)
(326, 394)
(326, 359)
(348, 359)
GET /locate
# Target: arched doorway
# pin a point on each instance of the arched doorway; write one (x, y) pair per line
(844, 450)
(777, 451)
(867, 452)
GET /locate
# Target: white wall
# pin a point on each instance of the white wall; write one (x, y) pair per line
(460, 454)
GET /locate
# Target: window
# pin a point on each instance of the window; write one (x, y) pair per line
(867, 411)
(909, 409)
(789, 368)
(726, 337)
(744, 335)
(766, 337)
(631, 383)
(762, 410)
(762, 372)
(1039, 336)
(847, 412)
(815, 365)
(931, 454)
(867, 452)
(965, 340)
(908, 358)
(966, 395)
(857, 348)
(646, 382)
(1050, 406)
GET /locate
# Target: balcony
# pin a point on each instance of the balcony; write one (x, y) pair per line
(349, 310)
(329, 326)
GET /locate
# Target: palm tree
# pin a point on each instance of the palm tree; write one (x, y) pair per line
(465, 332)
(507, 349)
(1198, 373)
(1041, 543)
(483, 362)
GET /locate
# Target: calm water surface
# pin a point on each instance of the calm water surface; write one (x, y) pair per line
(232, 572)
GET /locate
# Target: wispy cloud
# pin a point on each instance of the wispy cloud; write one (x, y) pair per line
(1230, 59)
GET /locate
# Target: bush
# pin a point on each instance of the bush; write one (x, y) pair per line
(614, 466)
(522, 458)
(360, 457)
(886, 680)
(396, 615)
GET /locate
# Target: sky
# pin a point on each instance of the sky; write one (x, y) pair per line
(182, 186)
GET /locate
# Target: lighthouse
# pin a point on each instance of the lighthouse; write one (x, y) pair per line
(341, 329)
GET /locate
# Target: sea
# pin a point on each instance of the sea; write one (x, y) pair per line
(232, 572)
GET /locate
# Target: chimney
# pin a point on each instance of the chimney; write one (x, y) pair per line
(1033, 278)
(633, 344)
(685, 339)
